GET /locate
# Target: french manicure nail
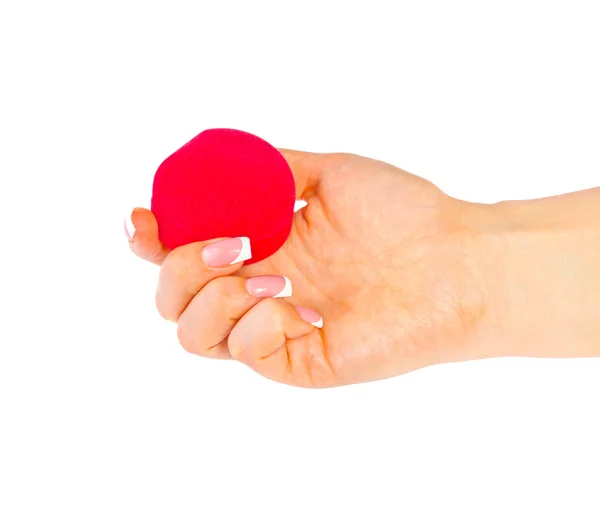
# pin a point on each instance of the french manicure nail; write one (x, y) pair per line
(310, 315)
(227, 252)
(129, 227)
(264, 286)
(299, 205)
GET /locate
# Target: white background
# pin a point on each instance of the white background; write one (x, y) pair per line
(99, 406)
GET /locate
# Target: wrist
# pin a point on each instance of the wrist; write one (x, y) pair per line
(546, 275)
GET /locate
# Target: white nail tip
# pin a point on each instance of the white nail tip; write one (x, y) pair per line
(318, 324)
(129, 227)
(245, 252)
(299, 205)
(287, 289)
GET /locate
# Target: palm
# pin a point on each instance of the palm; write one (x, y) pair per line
(384, 256)
(378, 251)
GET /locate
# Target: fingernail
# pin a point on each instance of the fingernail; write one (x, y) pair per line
(129, 227)
(299, 205)
(227, 252)
(264, 286)
(310, 315)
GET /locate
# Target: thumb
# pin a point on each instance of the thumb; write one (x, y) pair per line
(307, 169)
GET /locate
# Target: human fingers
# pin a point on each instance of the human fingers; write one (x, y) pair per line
(207, 321)
(141, 230)
(187, 269)
(283, 343)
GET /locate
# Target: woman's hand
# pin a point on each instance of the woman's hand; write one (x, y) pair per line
(401, 275)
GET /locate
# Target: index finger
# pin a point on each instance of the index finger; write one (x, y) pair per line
(187, 269)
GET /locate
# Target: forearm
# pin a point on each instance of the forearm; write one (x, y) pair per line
(548, 290)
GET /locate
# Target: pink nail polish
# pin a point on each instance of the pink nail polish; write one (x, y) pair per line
(310, 315)
(227, 252)
(265, 286)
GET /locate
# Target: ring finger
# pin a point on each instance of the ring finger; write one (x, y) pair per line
(205, 324)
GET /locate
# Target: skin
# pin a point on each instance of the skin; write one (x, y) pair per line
(403, 275)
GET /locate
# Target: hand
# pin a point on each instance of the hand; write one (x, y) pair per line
(402, 276)
(384, 257)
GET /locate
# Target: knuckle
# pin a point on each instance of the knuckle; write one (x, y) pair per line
(217, 290)
(269, 306)
(162, 309)
(181, 266)
(185, 338)
(236, 346)
(192, 341)
(226, 292)
(238, 353)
